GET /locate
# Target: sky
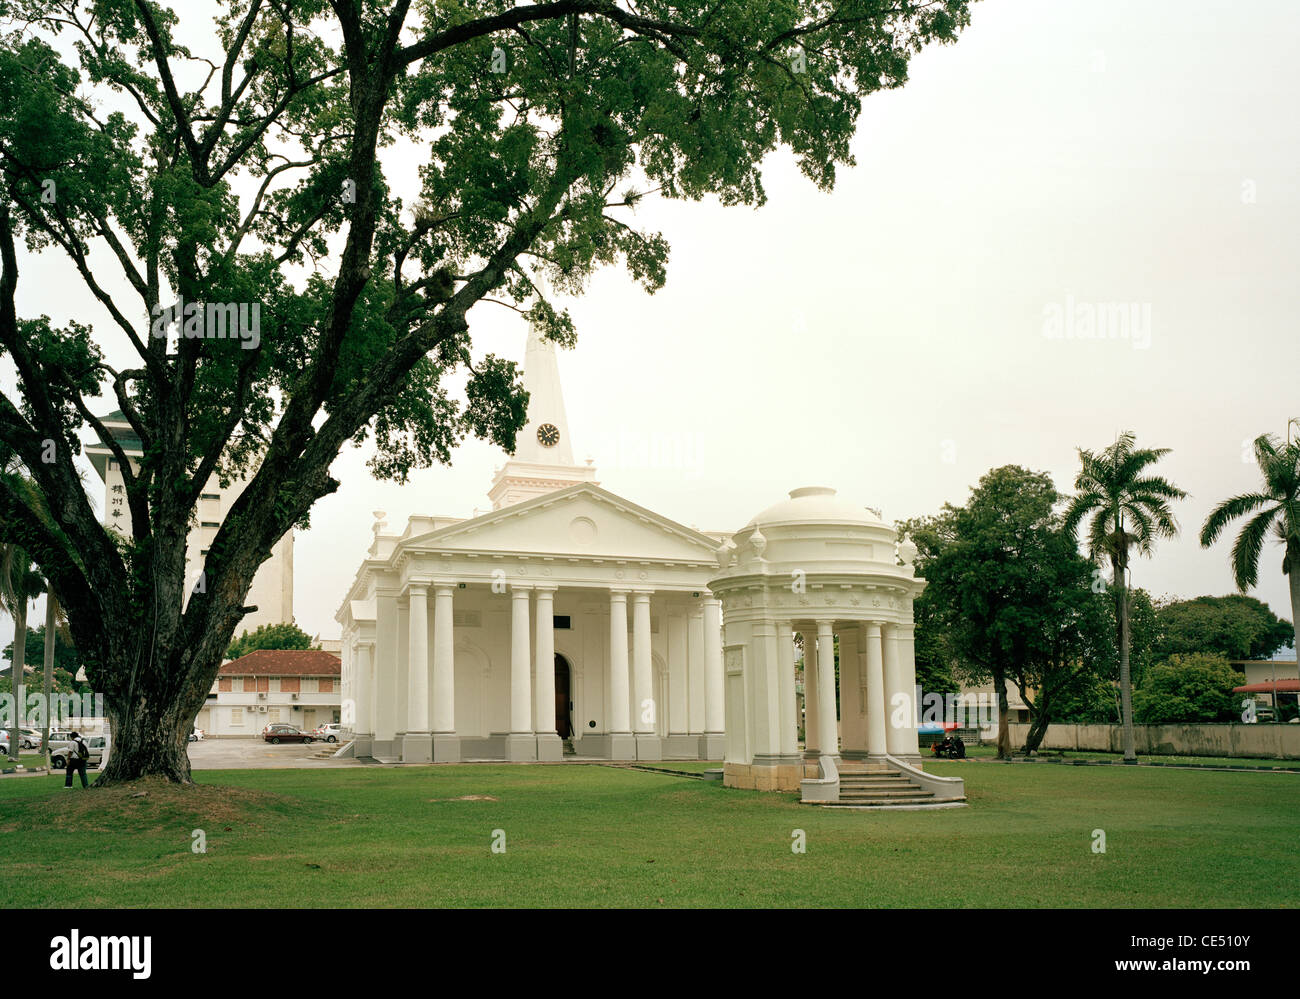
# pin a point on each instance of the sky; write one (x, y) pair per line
(899, 336)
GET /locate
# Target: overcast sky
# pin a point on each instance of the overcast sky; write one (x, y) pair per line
(891, 338)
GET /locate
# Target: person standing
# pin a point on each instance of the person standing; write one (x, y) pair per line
(77, 756)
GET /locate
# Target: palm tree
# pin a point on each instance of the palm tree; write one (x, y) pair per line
(1130, 509)
(1276, 508)
(19, 585)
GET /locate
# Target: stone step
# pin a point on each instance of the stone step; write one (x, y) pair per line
(906, 792)
(894, 802)
(876, 783)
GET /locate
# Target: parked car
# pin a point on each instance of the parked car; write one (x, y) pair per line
(196, 735)
(285, 733)
(98, 746)
(31, 738)
(329, 732)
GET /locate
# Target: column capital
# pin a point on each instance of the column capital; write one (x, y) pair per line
(520, 589)
(873, 627)
(417, 587)
(443, 589)
(618, 593)
(545, 589)
(641, 596)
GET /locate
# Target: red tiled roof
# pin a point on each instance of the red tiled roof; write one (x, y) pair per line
(284, 662)
(1267, 687)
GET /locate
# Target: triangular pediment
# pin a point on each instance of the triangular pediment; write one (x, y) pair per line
(583, 520)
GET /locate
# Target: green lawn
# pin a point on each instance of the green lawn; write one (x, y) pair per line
(597, 836)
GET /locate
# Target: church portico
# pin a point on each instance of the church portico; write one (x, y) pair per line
(474, 643)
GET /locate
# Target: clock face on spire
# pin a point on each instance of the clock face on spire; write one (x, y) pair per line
(548, 435)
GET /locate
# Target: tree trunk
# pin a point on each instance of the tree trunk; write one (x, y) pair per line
(1004, 736)
(1038, 723)
(1293, 577)
(18, 673)
(151, 738)
(1125, 677)
(51, 613)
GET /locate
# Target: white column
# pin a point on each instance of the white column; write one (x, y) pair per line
(444, 661)
(811, 731)
(417, 689)
(618, 695)
(387, 694)
(789, 734)
(715, 709)
(877, 744)
(905, 640)
(362, 696)
(521, 706)
(695, 669)
(544, 659)
(643, 720)
(900, 715)
(828, 736)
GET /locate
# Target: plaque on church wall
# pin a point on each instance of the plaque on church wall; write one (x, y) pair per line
(734, 658)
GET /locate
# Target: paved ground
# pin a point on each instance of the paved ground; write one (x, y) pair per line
(256, 754)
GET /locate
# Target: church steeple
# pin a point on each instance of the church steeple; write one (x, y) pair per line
(545, 408)
(543, 458)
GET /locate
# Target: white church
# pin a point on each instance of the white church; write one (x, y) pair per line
(569, 621)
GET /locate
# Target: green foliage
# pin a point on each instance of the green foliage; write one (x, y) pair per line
(270, 636)
(65, 654)
(1234, 627)
(1275, 509)
(1009, 597)
(1189, 688)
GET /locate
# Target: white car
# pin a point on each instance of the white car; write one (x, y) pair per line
(328, 733)
(98, 746)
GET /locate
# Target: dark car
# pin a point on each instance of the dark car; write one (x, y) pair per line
(285, 733)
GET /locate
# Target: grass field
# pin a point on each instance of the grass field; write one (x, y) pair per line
(603, 836)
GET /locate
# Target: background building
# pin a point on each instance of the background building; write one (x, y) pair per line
(264, 687)
(272, 589)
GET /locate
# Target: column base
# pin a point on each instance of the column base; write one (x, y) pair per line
(446, 749)
(550, 748)
(649, 747)
(417, 747)
(386, 750)
(363, 746)
(621, 746)
(853, 754)
(713, 746)
(521, 747)
(680, 746)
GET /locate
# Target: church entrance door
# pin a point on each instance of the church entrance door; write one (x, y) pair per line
(562, 697)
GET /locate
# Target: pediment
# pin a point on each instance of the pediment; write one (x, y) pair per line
(582, 521)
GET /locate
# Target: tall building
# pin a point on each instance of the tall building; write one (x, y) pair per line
(272, 589)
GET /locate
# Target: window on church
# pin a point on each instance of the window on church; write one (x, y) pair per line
(236, 716)
(562, 622)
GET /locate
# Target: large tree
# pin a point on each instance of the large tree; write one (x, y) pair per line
(1234, 627)
(270, 636)
(243, 168)
(1128, 510)
(1276, 510)
(1009, 594)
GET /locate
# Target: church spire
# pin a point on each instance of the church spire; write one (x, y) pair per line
(543, 458)
(545, 437)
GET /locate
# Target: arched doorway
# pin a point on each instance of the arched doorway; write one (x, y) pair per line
(563, 697)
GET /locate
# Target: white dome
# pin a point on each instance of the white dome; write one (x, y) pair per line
(815, 504)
